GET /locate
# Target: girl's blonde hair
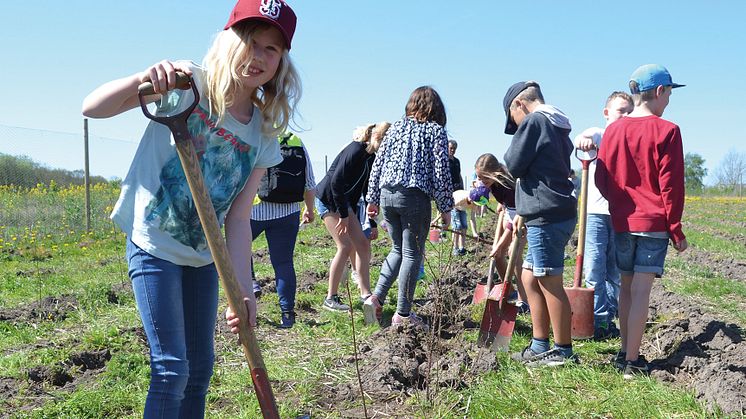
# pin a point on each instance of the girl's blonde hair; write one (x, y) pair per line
(371, 134)
(226, 63)
(488, 166)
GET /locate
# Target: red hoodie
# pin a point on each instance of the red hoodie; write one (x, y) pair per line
(640, 171)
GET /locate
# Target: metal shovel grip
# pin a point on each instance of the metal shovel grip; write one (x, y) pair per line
(218, 248)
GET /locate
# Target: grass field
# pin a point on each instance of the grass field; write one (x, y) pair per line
(91, 311)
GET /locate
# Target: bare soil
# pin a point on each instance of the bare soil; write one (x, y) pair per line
(686, 347)
(696, 350)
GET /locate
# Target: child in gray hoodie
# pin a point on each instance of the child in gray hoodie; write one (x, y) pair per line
(539, 159)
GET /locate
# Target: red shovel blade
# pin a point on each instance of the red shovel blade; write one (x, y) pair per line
(497, 325)
(581, 304)
(480, 293)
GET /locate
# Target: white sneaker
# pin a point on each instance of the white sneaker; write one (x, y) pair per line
(372, 310)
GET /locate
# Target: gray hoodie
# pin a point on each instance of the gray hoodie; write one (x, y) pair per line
(539, 158)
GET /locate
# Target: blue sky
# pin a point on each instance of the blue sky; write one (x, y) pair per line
(360, 60)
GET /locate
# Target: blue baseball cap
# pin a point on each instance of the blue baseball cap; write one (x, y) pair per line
(650, 76)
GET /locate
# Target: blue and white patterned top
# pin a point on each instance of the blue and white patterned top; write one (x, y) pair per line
(413, 155)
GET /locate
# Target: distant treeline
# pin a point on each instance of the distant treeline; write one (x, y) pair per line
(23, 172)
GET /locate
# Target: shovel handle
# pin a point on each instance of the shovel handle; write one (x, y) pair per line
(224, 266)
(183, 82)
(490, 274)
(582, 218)
(516, 248)
(586, 157)
(498, 233)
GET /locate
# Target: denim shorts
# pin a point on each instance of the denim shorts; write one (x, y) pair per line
(546, 247)
(640, 254)
(458, 220)
(321, 208)
(324, 211)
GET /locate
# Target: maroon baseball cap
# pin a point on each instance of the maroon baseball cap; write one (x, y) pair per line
(275, 12)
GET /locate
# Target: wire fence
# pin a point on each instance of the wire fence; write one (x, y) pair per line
(42, 178)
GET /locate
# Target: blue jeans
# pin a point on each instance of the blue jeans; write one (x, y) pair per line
(407, 214)
(546, 247)
(281, 234)
(601, 271)
(640, 254)
(178, 307)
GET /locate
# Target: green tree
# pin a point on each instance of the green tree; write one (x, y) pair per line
(694, 173)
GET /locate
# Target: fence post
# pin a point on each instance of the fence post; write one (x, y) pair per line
(87, 178)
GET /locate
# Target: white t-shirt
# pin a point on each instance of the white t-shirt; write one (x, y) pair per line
(156, 209)
(597, 204)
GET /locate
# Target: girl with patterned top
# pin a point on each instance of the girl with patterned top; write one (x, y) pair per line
(248, 89)
(411, 169)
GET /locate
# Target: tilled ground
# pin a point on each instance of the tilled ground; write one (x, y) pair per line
(697, 350)
(689, 348)
(685, 345)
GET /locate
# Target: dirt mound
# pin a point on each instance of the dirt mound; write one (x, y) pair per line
(115, 293)
(689, 348)
(305, 281)
(65, 372)
(401, 361)
(48, 309)
(698, 351)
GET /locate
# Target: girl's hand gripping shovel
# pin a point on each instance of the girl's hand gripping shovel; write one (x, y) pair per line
(190, 163)
(581, 299)
(498, 320)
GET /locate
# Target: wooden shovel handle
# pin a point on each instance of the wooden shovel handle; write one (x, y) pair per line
(582, 218)
(516, 248)
(182, 82)
(498, 233)
(224, 266)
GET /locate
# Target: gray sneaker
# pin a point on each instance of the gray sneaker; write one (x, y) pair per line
(620, 361)
(335, 304)
(552, 358)
(524, 356)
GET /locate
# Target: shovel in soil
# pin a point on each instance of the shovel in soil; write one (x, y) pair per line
(581, 299)
(498, 319)
(482, 290)
(215, 241)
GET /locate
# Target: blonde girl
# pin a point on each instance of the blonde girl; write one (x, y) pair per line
(337, 197)
(248, 89)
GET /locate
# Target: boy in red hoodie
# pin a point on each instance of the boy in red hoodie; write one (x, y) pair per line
(640, 171)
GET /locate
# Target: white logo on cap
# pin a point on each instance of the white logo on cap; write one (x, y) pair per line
(271, 8)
